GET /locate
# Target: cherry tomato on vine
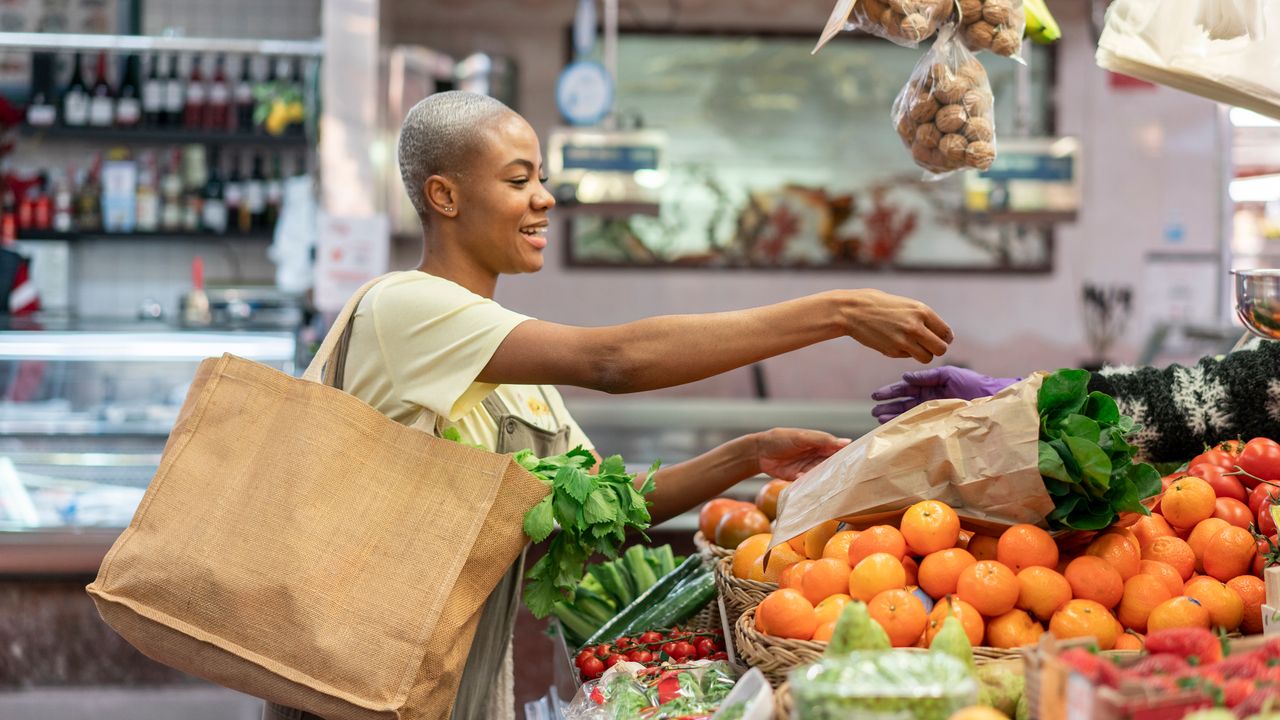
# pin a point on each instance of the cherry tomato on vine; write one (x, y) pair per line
(1261, 459)
(592, 668)
(650, 637)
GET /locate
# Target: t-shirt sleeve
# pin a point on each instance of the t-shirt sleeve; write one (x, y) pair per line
(436, 337)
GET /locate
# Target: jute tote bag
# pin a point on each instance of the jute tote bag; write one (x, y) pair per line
(299, 546)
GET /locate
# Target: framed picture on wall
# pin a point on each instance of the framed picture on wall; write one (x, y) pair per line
(779, 159)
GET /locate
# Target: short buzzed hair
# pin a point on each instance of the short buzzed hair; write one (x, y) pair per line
(439, 134)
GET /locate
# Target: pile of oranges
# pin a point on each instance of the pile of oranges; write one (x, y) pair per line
(1183, 568)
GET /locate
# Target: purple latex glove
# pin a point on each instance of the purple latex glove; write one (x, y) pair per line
(934, 384)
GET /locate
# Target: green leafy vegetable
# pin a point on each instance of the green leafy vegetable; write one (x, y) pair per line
(1086, 460)
(594, 511)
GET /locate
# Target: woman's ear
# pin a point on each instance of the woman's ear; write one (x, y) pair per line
(441, 194)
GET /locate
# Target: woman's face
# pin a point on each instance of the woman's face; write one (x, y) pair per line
(503, 205)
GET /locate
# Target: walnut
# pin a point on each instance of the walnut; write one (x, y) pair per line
(953, 147)
(905, 7)
(929, 158)
(923, 110)
(915, 27)
(979, 129)
(942, 11)
(1007, 42)
(997, 12)
(906, 129)
(939, 73)
(873, 9)
(890, 21)
(950, 91)
(972, 73)
(928, 135)
(980, 155)
(977, 102)
(970, 11)
(951, 118)
(979, 35)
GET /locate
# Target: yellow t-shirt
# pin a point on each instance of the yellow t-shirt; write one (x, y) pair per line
(418, 342)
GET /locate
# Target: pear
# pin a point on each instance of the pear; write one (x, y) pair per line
(953, 641)
(855, 630)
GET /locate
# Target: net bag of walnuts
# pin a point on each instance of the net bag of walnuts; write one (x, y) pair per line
(905, 22)
(944, 113)
(994, 25)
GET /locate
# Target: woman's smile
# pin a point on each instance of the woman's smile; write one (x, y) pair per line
(536, 234)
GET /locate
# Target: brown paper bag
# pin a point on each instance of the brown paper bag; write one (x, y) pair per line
(981, 457)
(299, 546)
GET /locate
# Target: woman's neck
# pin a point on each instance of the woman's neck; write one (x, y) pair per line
(445, 260)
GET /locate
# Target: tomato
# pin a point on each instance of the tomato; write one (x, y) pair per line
(738, 525)
(1228, 486)
(583, 656)
(1213, 457)
(711, 513)
(1261, 493)
(1266, 520)
(642, 656)
(1231, 447)
(592, 668)
(669, 649)
(1265, 548)
(722, 655)
(1233, 511)
(1260, 458)
(704, 647)
(603, 651)
(614, 659)
(623, 644)
(650, 638)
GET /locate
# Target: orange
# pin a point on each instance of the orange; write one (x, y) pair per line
(1085, 618)
(901, 614)
(1119, 551)
(780, 559)
(1150, 527)
(1165, 573)
(829, 610)
(940, 571)
(838, 546)
(913, 570)
(710, 514)
(1174, 551)
(983, 547)
(1023, 546)
(1129, 641)
(793, 576)
(1200, 536)
(797, 544)
(1013, 629)
(1093, 578)
(816, 539)
(825, 578)
(875, 574)
(1253, 592)
(1178, 612)
(962, 540)
(1142, 593)
(787, 614)
(1187, 501)
(1042, 591)
(767, 498)
(989, 586)
(969, 617)
(1230, 553)
(978, 712)
(877, 539)
(748, 554)
(824, 632)
(739, 524)
(930, 526)
(1225, 606)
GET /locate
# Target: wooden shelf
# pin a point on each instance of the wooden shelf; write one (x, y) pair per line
(162, 136)
(37, 235)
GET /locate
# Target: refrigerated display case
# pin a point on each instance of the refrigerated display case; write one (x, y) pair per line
(85, 409)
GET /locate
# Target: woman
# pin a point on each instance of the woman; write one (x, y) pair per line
(1179, 409)
(432, 340)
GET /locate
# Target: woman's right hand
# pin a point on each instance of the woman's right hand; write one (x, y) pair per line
(896, 326)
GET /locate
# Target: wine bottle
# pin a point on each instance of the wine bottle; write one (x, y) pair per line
(243, 96)
(217, 114)
(175, 96)
(153, 95)
(171, 194)
(42, 110)
(75, 99)
(129, 100)
(275, 193)
(102, 105)
(42, 216)
(148, 198)
(233, 193)
(215, 205)
(255, 197)
(197, 96)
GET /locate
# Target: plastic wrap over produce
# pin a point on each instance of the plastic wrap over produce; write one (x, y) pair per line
(980, 456)
(993, 25)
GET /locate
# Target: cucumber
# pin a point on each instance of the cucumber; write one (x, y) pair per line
(614, 581)
(664, 560)
(656, 593)
(682, 603)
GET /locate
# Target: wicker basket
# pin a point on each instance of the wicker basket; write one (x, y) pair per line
(739, 595)
(709, 551)
(783, 707)
(708, 618)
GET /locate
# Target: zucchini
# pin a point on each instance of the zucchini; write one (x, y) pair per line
(638, 568)
(614, 582)
(681, 604)
(664, 560)
(656, 593)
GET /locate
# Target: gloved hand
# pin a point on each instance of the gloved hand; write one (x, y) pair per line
(934, 384)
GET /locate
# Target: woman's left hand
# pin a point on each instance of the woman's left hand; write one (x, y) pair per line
(787, 453)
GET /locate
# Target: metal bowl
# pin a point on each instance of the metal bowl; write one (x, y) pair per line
(1258, 301)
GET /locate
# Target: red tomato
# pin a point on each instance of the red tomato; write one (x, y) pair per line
(1233, 511)
(642, 656)
(1231, 447)
(1228, 486)
(704, 647)
(603, 651)
(650, 637)
(623, 644)
(583, 656)
(1266, 520)
(1260, 493)
(1214, 457)
(1260, 458)
(682, 650)
(614, 660)
(669, 649)
(592, 668)
(1265, 548)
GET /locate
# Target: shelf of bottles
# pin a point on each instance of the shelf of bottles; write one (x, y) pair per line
(198, 144)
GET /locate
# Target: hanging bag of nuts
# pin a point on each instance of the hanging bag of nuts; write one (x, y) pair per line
(944, 114)
(994, 25)
(905, 22)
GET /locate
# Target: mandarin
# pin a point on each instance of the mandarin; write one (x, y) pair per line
(1150, 527)
(1230, 553)
(930, 526)
(1174, 551)
(1120, 552)
(838, 546)
(875, 574)
(983, 547)
(1166, 573)
(1023, 546)
(1013, 629)
(782, 557)
(824, 631)
(912, 568)
(748, 555)
(829, 610)
(1178, 612)
(970, 619)
(1129, 641)
(816, 539)
(1187, 501)
(1042, 591)
(1225, 606)
(824, 578)
(787, 614)
(1084, 618)
(940, 571)
(1200, 536)
(901, 614)
(1142, 593)
(1253, 593)
(792, 576)
(990, 586)
(877, 539)
(1093, 578)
